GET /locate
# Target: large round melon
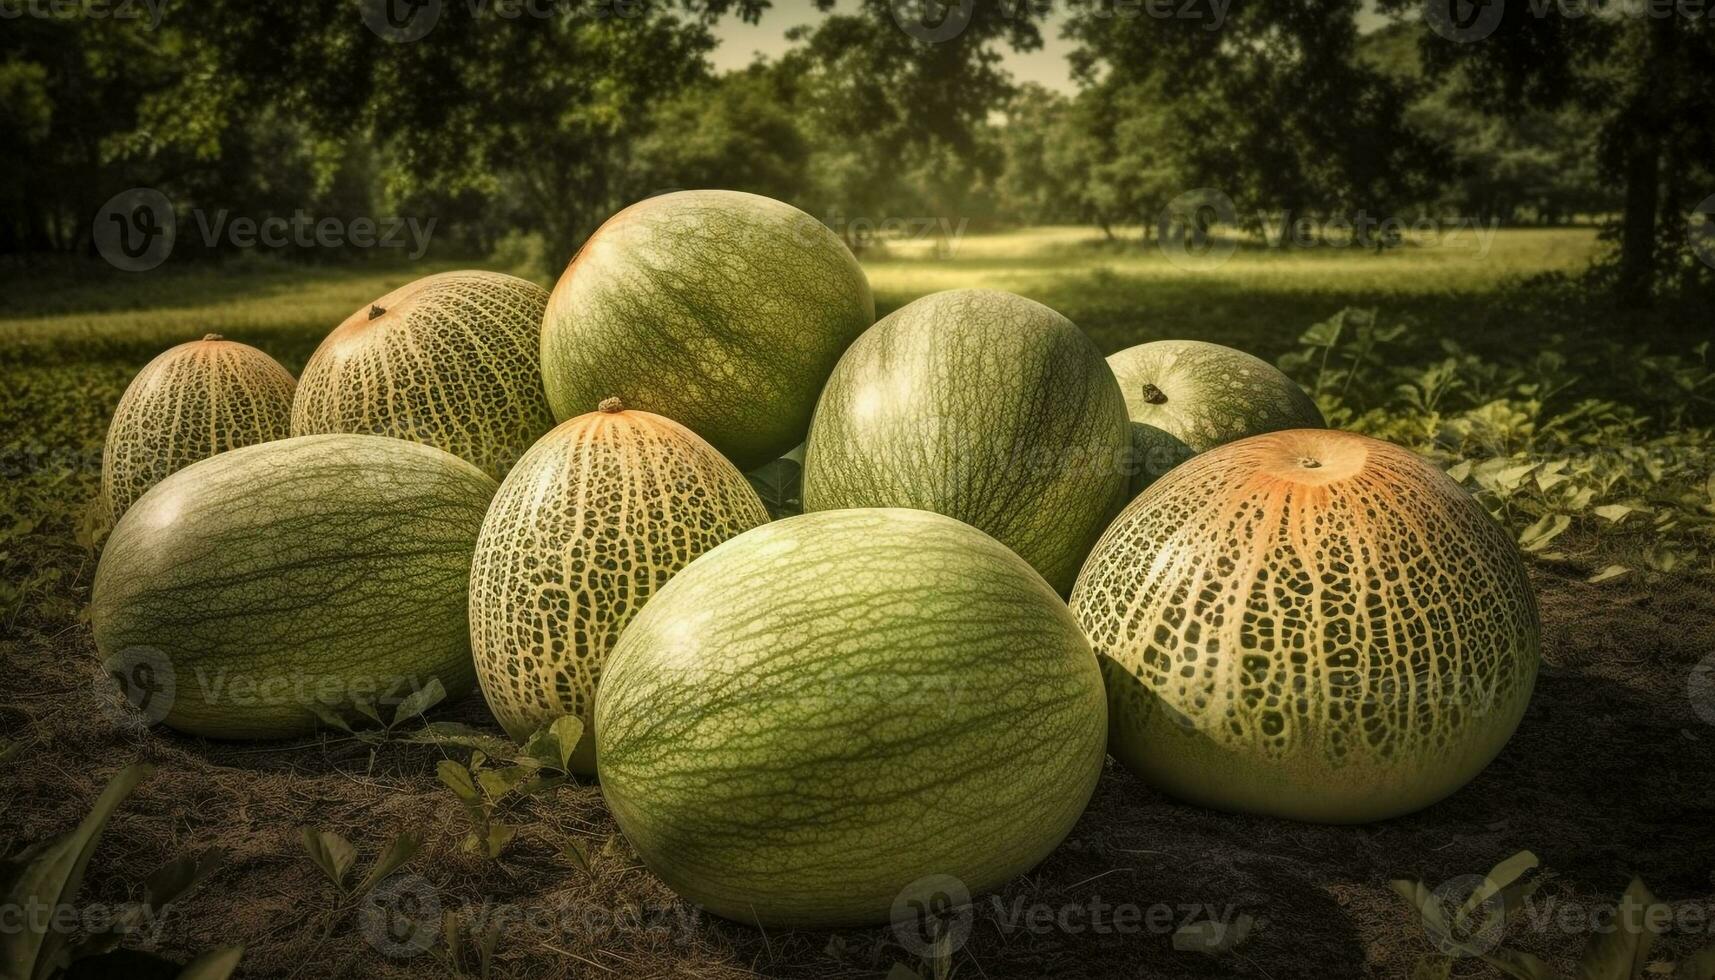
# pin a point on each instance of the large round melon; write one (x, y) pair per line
(450, 361)
(829, 708)
(321, 569)
(983, 406)
(722, 311)
(1186, 397)
(191, 402)
(1309, 624)
(593, 520)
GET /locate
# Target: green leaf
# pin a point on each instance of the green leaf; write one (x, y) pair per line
(397, 853)
(1608, 574)
(216, 964)
(330, 717)
(330, 852)
(370, 711)
(177, 877)
(1212, 936)
(496, 783)
(902, 972)
(458, 779)
(1615, 512)
(1698, 966)
(1501, 877)
(420, 700)
(454, 733)
(578, 853)
(1432, 967)
(51, 879)
(1622, 952)
(1538, 535)
(498, 836)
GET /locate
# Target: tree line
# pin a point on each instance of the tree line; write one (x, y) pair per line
(541, 119)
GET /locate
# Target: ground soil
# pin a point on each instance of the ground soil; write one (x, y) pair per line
(1611, 774)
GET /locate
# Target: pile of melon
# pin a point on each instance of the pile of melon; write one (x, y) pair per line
(476, 482)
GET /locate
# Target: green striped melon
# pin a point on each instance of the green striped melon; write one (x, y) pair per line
(826, 709)
(191, 402)
(259, 583)
(1309, 624)
(593, 520)
(983, 406)
(450, 361)
(723, 311)
(1187, 397)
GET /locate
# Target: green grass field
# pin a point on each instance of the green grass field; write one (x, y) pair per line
(1584, 429)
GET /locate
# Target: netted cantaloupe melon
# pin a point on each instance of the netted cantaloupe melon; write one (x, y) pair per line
(450, 361)
(1186, 397)
(191, 402)
(592, 521)
(1310, 624)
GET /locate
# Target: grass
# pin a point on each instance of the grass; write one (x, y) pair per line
(1583, 427)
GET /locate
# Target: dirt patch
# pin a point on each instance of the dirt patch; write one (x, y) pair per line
(1612, 773)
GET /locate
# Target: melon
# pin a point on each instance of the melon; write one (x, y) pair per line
(191, 402)
(1309, 624)
(826, 709)
(326, 571)
(593, 520)
(1186, 397)
(983, 406)
(450, 361)
(722, 311)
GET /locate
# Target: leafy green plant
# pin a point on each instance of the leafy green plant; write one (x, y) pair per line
(336, 857)
(461, 943)
(411, 707)
(43, 881)
(487, 784)
(1548, 457)
(1475, 927)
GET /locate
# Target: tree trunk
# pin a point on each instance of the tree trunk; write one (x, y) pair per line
(1643, 168)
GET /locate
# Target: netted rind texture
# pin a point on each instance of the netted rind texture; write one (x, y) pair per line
(1309, 624)
(983, 406)
(189, 403)
(593, 520)
(828, 708)
(1187, 397)
(450, 360)
(320, 569)
(720, 310)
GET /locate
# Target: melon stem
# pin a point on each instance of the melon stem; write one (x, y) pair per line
(376, 312)
(212, 336)
(1154, 395)
(611, 405)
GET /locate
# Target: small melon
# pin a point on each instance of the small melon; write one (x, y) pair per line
(1186, 397)
(450, 361)
(593, 520)
(191, 402)
(1309, 624)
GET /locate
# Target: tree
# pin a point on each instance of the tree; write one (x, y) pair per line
(1644, 73)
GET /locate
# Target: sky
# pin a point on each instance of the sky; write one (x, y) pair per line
(741, 42)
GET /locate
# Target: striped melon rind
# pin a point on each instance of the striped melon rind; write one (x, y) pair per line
(984, 406)
(828, 708)
(1186, 397)
(189, 403)
(595, 518)
(331, 569)
(450, 361)
(720, 310)
(1310, 624)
